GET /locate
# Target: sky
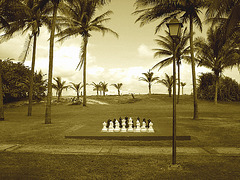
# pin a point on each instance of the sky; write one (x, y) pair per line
(109, 59)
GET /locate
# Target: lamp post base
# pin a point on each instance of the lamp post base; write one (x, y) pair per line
(174, 167)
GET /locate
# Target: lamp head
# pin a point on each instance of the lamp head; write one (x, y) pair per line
(174, 27)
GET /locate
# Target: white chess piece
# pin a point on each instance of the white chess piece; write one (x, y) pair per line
(130, 123)
(110, 128)
(117, 129)
(138, 129)
(150, 129)
(123, 126)
(104, 129)
(143, 128)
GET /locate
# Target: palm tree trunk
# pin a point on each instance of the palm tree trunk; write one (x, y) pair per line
(59, 95)
(195, 103)
(50, 71)
(85, 39)
(78, 95)
(118, 92)
(178, 64)
(1, 94)
(30, 95)
(149, 88)
(169, 92)
(216, 90)
(182, 90)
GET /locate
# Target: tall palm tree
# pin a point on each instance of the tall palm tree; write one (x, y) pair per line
(183, 84)
(226, 14)
(80, 20)
(148, 77)
(28, 17)
(217, 54)
(76, 87)
(168, 82)
(51, 48)
(118, 87)
(59, 86)
(104, 87)
(168, 48)
(96, 87)
(1, 94)
(188, 10)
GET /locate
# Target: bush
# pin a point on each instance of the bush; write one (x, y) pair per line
(15, 79)
(228, 90)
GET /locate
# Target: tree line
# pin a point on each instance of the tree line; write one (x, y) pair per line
(68, 17)
(15, 82)
(219, 51)
(100, 87)
(78, 18)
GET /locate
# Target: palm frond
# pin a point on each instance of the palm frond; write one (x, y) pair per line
(26, 49)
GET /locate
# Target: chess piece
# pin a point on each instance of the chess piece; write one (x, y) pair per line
(150, 129)
(114, 120)
(104, 129)
(143, 127)
(130, 123)
(120, 122)
(148, 123)
(110, 129)
(108, 123)
(116, 129)
(124, 126)
(126, 118)
(138, 129)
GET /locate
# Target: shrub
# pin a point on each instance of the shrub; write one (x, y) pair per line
(228, 90)
(15, 78)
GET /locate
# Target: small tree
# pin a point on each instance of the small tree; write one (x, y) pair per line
(59, 86)
(96, 87)
(118, 87)
(168, 82)
(77, 88)
(104, 87)
(183, 84)
(149, 79)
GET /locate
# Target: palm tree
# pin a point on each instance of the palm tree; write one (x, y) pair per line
(226, 14)
(28, 17)
(183, 84)
(1, 94)
(80, 20)
(51, 48)
(217, 54)
(148, 77)
(118, 87)
(168, 82)
(77, 88)
(97, 87)
(168, 48)
(59, 86)
(187, 9)
(104, 87)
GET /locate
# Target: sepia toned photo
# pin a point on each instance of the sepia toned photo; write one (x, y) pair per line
(119, 89)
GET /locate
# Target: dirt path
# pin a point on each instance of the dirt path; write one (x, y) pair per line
(92, 101)
(118, 150)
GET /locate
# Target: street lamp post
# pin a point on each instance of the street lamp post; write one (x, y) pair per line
(174, 27)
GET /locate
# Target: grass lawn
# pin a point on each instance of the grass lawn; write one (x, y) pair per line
(218, 126)
(45, 166)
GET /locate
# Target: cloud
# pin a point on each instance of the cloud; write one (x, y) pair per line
(145, 51)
